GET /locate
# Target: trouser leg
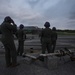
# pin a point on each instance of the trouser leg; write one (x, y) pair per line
(21, 47)
(43, 48)
(49, 48)
(7, 55)
(54, 45)
(18, 50)
(14, 56)
(13, 53)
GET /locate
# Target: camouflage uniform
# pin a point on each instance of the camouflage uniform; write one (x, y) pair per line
(21, 35)
(54, 38)
(8, 41)
(46, 39)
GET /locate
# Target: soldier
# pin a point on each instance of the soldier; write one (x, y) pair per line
(21, 35)
(7, 28)
(54, 38)
(46, 38)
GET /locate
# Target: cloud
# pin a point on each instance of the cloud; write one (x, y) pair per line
(59, 13)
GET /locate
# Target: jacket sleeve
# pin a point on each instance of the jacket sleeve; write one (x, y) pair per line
(12, 27)
(56, 36)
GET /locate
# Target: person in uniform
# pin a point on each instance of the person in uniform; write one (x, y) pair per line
(8, 27)
(54, 38)
(21, 35)
(46, 38)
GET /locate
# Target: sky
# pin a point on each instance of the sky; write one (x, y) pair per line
(60, 13)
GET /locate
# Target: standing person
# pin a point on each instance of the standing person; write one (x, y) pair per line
(21, 35)
(54, 38)
(46, 38)
(7, 28)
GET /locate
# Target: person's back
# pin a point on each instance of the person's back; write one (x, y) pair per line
(54, 36)
(46, 38)
(7, 30)
(20, 34)
(46, 33)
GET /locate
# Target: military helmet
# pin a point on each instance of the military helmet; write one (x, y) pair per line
(21, 26)
(7, 19)
(54, 28)
(47, 24)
